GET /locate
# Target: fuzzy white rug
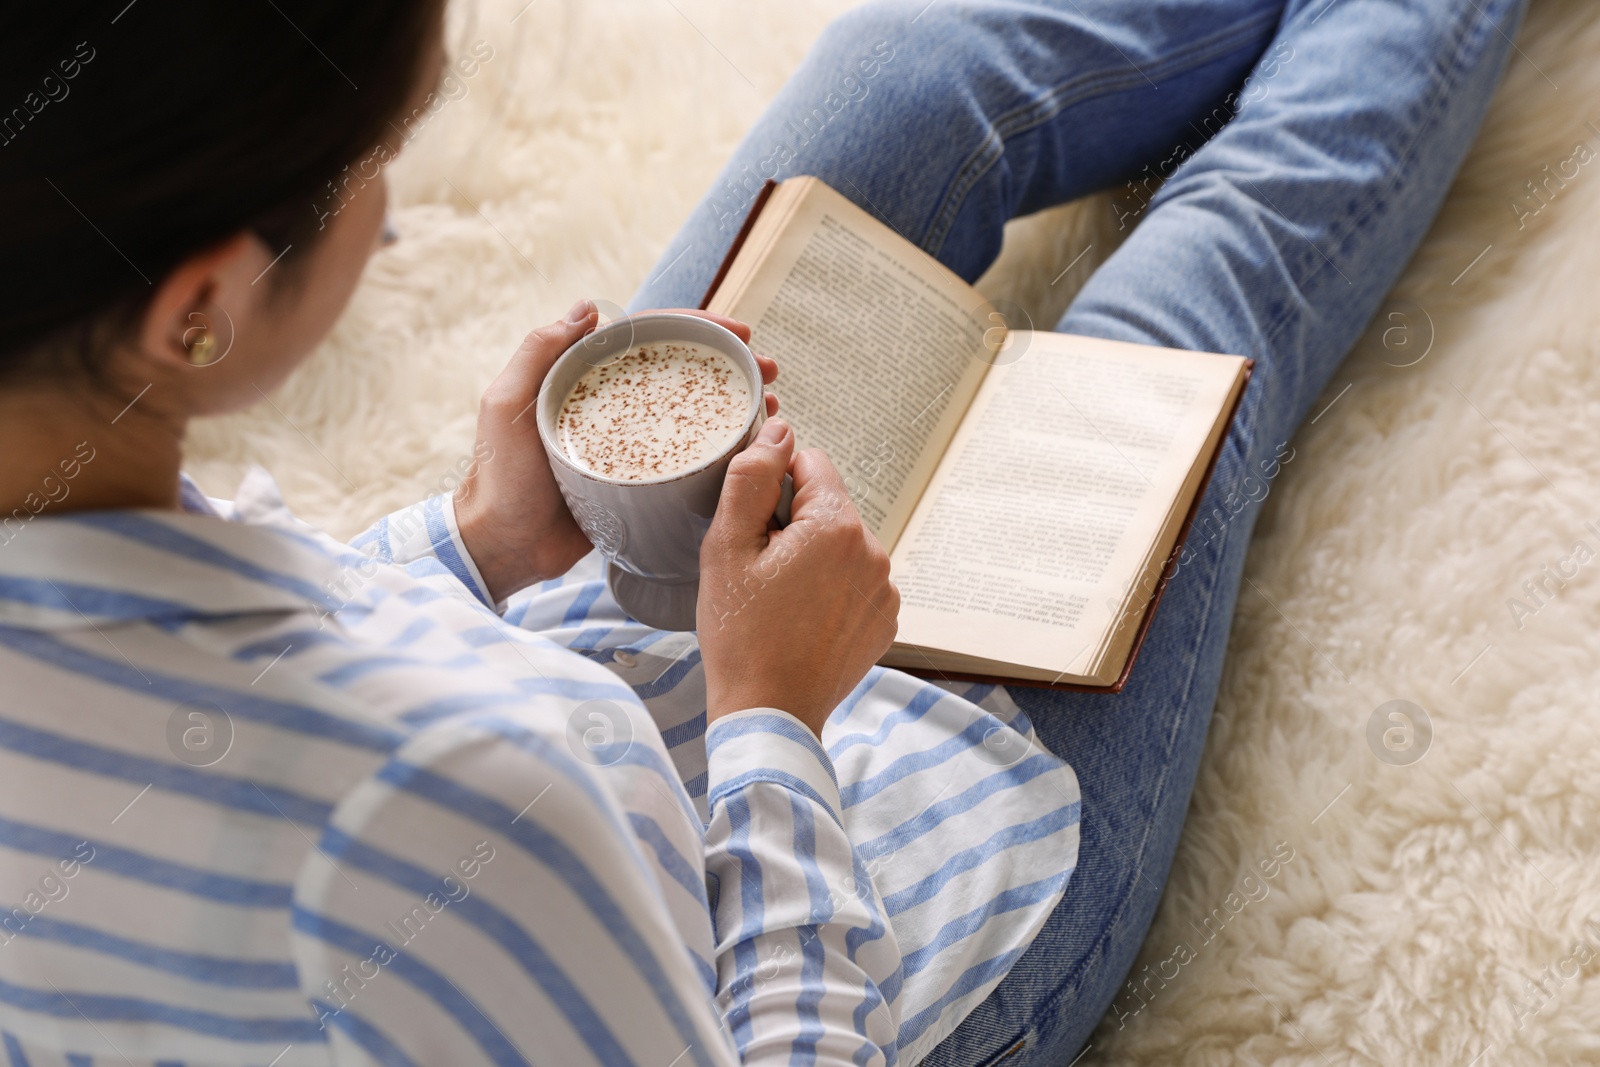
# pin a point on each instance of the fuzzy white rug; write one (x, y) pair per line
(1432, 913)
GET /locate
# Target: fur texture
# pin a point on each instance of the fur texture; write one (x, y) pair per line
(1432, 912)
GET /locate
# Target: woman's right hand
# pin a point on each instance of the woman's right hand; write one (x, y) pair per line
(792, 618)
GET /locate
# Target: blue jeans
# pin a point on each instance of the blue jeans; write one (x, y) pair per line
(1306, 147)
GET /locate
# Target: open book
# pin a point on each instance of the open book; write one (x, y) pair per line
(1030, 487)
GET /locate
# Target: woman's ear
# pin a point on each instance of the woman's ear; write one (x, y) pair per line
(193, 318)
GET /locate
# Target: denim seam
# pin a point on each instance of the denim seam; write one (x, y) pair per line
(1036, 112)
(1450, 77)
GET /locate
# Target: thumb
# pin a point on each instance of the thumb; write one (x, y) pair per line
(516, 386)
(754, 482)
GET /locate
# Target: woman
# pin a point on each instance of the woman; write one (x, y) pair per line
(430, 798)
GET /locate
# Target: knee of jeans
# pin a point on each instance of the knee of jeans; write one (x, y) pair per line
(909, 37)
(852, 59)
(876, 19)
(876, 72)
(924, 66)
(872, 29)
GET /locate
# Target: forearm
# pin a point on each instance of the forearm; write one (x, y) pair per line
(805, 957)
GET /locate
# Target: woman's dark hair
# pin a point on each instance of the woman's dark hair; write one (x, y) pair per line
(133, 135)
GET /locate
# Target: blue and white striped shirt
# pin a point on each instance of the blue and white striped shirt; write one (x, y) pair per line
(268, 798)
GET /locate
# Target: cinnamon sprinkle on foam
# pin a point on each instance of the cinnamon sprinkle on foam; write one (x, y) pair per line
(659, 409)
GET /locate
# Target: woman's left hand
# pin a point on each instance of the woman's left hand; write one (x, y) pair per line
(512, 517)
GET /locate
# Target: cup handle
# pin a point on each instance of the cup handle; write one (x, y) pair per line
(785, 501)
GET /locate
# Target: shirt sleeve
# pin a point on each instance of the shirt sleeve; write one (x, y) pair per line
(807, 965)
(480, 899)
(426, 531)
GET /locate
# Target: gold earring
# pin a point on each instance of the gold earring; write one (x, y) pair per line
(203, 350)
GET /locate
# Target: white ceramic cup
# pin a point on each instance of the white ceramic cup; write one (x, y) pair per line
(649, 530)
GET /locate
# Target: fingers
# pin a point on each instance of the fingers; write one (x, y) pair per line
(821, 498)
(518, 384)
(769, 367)
(819, 489)
(754, 482)
(739, 329)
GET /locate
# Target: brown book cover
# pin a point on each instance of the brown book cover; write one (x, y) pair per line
(738, 241)
(1168, 569)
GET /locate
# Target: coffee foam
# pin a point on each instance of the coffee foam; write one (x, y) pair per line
(660, 408)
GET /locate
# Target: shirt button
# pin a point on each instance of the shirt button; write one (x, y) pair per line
(623, 658)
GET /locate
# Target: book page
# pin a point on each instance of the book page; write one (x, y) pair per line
(880, 348)
(1044, 512)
